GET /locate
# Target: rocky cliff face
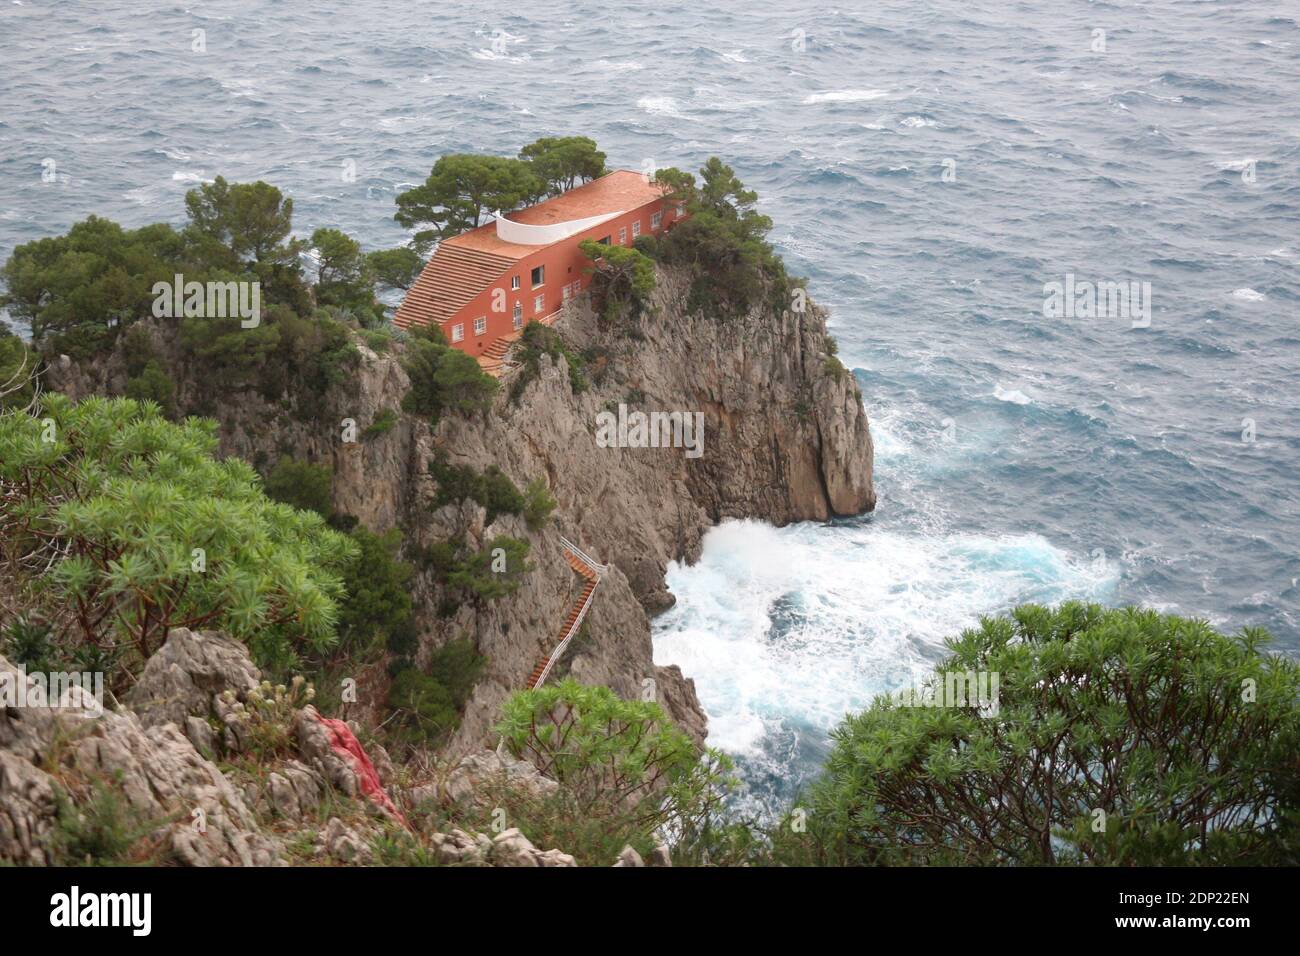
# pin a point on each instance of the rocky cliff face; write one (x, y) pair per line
(785, 439)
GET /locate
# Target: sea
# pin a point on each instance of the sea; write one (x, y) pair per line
(938, 169)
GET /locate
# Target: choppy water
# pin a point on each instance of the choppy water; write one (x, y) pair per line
(1018, 457)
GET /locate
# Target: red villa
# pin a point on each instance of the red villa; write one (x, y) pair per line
(483, 285)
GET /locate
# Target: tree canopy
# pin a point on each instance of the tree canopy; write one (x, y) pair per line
(123, 525)
(1119, 737)
(464, 187)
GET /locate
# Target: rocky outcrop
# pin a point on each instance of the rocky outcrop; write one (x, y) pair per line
(50, 754)
(785, 439)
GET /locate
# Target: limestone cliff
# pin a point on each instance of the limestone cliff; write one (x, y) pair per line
(785, 439)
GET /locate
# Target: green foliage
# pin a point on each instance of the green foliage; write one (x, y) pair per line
(538, 504)
(243, 225)
(301, 484)
(29, 640)
(18, 365)
(492, 573)
(625, 771)
(116, 500)
(105, 830)
(377, 608)
(492, 489)
(79, 290)
(723, 241)
(383, 423)
(444, 379)
(345, 280)
(395, 268)
(266, 717)
(429, 705)
(1121, 737)
(460, 188)
(538, 340)
(621, 274)
(561, 162)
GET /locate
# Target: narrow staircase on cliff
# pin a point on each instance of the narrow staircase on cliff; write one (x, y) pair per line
(584, 565)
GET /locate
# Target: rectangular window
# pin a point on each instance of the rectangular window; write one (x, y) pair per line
(458, 332)
(519, 314)
(539, 276)
(514, 282)
(567, 292)
(636, 228)
(539, 303)
(656, 219)
(622, 236)
(480, 325)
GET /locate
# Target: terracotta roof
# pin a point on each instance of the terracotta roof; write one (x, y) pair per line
(453, 276)
(465, 265)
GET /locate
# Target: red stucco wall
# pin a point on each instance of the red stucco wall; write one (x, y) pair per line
(564, 264)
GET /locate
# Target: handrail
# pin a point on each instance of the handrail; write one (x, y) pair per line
(583, 556)
(596, 570)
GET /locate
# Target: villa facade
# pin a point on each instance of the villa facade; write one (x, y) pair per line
(482, 286)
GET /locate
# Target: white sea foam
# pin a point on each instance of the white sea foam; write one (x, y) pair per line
(845, 96)
(794, 627)
(659, 106)
(1013, 395)
(1248, 295)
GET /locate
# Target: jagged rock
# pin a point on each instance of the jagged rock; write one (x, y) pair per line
(186, 675)
(629, 857)
(660, 856)
(554, 858)
(344, 844)
(201, 818)
(512, 848)
(459, 847)
(294, 790)
(318, 753)
(479, 771)
(27, 810)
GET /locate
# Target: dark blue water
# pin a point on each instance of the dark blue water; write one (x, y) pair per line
(1019, 457)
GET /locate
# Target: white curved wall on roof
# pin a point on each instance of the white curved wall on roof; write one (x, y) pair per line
(528, 235)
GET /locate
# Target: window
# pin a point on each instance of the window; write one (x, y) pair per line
(539, 303)
(519, 314)
(636, 228)
(622, 236)
(604, 242)
(458, 332)
(656, 219)
(539, 276)
(567, 292)
(480, 325)
(514, 282)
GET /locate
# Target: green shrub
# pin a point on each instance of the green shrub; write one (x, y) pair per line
(538, 505)
(376, 609)
(491, 488)
(153, 532)
(383, 423)
(105, 830)
(153, 384)
(627, 775)
(429, 705)
(1118, 737)
(443, 379)
(18, 370)
(302, 484)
